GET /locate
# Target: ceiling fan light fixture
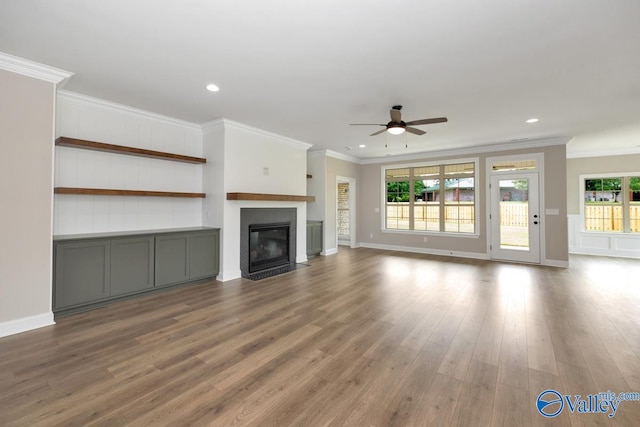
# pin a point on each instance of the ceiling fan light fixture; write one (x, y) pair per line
(395, 130)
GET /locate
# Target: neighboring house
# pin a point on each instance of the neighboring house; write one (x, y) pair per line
(462, 192)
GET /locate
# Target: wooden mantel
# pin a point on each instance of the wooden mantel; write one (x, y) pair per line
(270, 197)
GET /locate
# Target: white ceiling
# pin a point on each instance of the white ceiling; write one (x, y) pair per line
(306, 69)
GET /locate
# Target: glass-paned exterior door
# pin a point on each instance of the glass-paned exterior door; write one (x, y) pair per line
(515, 217)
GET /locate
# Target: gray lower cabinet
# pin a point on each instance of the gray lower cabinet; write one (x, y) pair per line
(132, 263)
(203, 255)
(185, 257)
(314, 238)
(84, 269)
(89, 270)
(172, 259)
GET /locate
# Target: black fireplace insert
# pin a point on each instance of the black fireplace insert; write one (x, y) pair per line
(268, 246)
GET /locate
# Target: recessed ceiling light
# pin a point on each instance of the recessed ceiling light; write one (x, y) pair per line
(532, 120)
(212, 88)
(361, 145)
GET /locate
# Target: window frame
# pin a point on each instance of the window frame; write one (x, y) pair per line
(441, 176)
(626, 220)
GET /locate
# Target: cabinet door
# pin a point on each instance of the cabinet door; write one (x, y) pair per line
(172, 259)
(317, 238)
(131, 265)
(310, 239)
(203, 254)
(81, 272)
(314, 238)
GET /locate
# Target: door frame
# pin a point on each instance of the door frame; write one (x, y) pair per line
(539, 169)
(352, 209)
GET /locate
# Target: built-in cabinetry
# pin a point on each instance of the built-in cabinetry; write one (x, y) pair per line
(314, 237)
(131, 151)
(94, 268)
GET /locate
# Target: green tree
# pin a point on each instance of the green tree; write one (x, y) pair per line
(634, 183)
(613, 185)
(398, 191)
(521, 184)
(605, 184)
(418, 189)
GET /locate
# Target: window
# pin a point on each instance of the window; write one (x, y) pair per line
(438, 198)
(612, 204)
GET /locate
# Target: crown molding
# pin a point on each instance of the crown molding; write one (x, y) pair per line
(312, 154)
(213, 125)
(336, 155)
(226, 123)
(603, 153)
(80, 99)
(33, 69)
(340, 156)
(480, 149)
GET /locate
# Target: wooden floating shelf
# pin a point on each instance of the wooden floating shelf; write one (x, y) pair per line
(106, 192)
(63, 141)
(270, 197)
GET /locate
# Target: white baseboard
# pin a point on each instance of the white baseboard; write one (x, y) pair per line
(427, 251)
(331, 251)
(301, 259)
(555, 263)
(26, 324)
(225, 276)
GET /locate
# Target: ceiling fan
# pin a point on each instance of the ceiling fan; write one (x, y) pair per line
(396, 126)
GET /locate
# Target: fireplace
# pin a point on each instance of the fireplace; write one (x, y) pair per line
(268, 246)
(267, 241)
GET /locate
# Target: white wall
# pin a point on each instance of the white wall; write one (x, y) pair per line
(316, 185)
(247, 153)
(92, 119)
(26, 185)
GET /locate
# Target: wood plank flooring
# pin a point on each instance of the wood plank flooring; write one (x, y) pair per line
(362, 338)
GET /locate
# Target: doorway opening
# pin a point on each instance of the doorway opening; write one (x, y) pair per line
(345, 211)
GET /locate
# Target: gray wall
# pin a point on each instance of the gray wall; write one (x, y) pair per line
(26, 188)
(556, 240)
(594, 165)
(316, 185)
(337, 168)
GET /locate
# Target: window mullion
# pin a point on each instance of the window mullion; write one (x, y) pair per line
(626, 221)
(443, 194)
(411, 199)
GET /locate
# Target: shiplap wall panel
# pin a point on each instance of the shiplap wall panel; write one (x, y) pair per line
(90, 119)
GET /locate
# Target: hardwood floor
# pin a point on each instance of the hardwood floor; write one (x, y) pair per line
(362, 338)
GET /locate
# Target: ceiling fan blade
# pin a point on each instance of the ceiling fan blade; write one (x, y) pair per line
(427, 121)
(396, 116)
(415, 131)
(379, 132)
(366, 124)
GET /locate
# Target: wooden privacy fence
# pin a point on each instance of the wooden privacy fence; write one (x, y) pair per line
(431, 213)
(610, 217)
(512, 214)
(515, 214)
